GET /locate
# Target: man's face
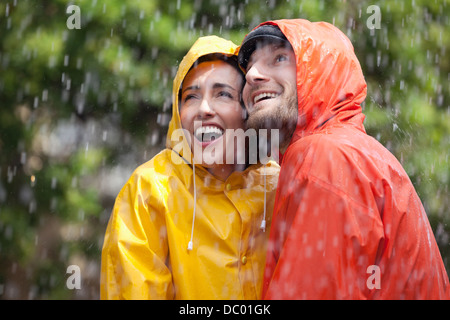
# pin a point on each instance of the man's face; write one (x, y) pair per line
(270, 92)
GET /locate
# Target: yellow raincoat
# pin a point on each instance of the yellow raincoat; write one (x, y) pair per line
(145, 252)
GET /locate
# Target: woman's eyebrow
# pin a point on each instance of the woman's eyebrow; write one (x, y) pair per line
(194, 87)
(218, 85)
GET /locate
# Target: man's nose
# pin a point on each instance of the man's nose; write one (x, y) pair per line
(256, 74)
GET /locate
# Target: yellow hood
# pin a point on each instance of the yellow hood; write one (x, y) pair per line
(203, 46)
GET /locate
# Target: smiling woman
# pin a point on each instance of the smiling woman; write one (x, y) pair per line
(187, 211)
(210, 105)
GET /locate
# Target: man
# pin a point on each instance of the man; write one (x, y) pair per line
(347, 221)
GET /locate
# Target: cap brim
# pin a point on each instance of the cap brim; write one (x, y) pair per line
(264, 34)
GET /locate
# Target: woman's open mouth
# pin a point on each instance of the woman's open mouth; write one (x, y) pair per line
(208, 134)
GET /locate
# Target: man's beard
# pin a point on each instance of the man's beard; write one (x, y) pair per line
(282, 117)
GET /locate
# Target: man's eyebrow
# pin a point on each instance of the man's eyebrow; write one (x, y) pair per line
(273, 48)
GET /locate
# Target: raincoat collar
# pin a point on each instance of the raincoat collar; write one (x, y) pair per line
(330, 82)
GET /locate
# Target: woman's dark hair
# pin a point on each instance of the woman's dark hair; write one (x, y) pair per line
(230, 59)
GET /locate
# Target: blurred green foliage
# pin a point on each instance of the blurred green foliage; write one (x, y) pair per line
(81, 108)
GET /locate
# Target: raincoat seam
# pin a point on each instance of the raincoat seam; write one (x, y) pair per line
(337, 191)
(337, 149)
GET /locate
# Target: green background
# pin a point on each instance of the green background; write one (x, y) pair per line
(80, 109)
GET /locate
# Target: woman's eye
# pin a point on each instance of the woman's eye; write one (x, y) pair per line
(188, 97)
(225, 94)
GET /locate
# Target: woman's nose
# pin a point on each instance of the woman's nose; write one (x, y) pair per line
(206, 109)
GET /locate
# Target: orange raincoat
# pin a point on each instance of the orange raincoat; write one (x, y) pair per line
(347, 221)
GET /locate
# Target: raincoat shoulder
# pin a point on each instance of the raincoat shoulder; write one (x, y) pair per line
(134, 253)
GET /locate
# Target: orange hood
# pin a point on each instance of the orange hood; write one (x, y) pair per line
(344, 205)
(330, 82)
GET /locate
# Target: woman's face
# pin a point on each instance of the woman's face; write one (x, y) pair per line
(209, 107)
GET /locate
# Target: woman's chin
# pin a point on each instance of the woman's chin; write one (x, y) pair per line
(210, 162)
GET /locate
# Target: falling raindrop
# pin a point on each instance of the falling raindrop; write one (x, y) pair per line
(394, 127)
(54, 182)
(32, 206)
(44, 95)
(23, 158)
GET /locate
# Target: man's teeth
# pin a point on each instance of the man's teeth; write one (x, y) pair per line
(263, 96)
(208, 133)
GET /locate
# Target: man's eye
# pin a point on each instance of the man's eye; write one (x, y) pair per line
(281, 57)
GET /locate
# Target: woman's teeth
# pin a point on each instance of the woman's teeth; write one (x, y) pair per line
(208, 133)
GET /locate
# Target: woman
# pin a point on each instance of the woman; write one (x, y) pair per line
(183, 231)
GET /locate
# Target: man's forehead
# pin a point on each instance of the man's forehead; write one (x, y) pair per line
(264, 47)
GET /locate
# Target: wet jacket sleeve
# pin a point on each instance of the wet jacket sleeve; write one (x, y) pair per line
(135, 249)
(326, 237)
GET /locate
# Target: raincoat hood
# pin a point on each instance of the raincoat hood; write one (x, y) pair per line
(330, 82)
(202, 47)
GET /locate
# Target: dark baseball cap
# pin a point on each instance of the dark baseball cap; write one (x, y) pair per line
(265, 33)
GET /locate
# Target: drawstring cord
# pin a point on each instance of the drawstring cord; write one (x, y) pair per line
(263, 222)
(190, 244)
